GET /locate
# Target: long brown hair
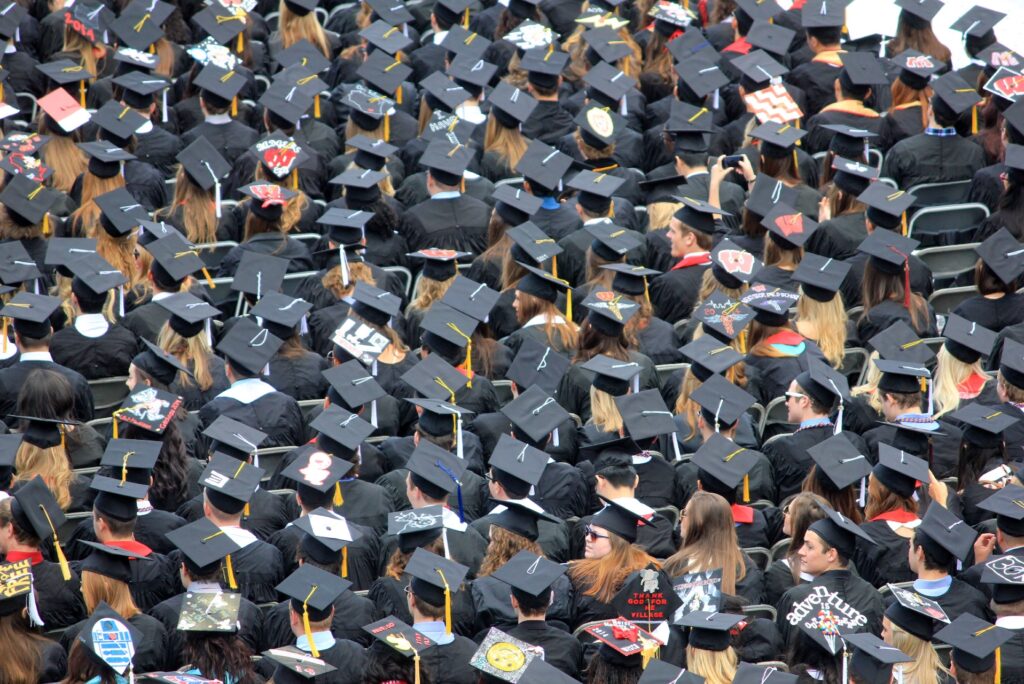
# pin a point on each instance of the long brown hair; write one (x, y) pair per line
(430, 291)
(97, 587)
(503, 545)
(75, 42)
(87, 216)
(507, 143)
(358, 272)
(603, 577)
(193, 349)
(915, 34)
(804, 509)
(399, 559)
(760, 333)
(198, 209)
(562, 335)
(879, 287)
(293, 208)
(709, 542)
(120, 252)
(904, 96)
(293, 28)
(23, 648)
(881, 499)
(67, 160)
(843, 501)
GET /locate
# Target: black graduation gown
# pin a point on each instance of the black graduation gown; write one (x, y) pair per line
(250, 623)
(778, 579)
(898, 125)
(674, 292)
(151, 529)
(537, 334)
(886, 560)
(14, 377)
(921, 280)
(888, 312)
(158, 147)
(839, 237)
(450, 663)
(60, 603)
(362, 553)
(232, 140)
(106, 356)
(53, 662)
(196, 397)
(389, 598)
(553, 538)
(775, 373)
(774, 276)
(932, 159)
(351, 612)
(494, 608)
(257, 569)
(151, 651)
(860, 605)
(267, 513)
(791, 461)
(274, 244)
(146, 320)
(276, 414)
(459, 223)
(468, 548)
(490, 426)
(348, 658)
(994, 314)
(657, 341)
(548, 122)
(561, 649)
(154, 579)
(299, 377)
(817, 79)
(844, 113)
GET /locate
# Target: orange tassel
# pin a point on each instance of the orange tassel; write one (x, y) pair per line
(81, 93)
(904, 223)
(746, 489)
(387, 128)
(344, 562)
(339, 500)
(554, 266)
(316, 107)
(241, 41)
(974, 120)
(232, 584)
(295, 179)
(398, 95)
(209, 280)
(234, 106)
(5, 334)
(46, 217)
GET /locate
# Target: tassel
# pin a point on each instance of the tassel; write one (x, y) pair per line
(295, 179)
(65, 570)
(343, 263)
(796, 164)
(241, 42)
(152, 49)
(465, 19)
(568, 305)
(113, 425)
(46, 224)
(120, 301)
(316, 106)
(999, 666)
(216, 199)
(746, 489)
(34, 619)
(81, 93)
(903, 221)
(373, 413)
(647, 293)
(209, 280)
(163, 105)
(246, 511)
(469, 353)
(344, 562)
(398, 95)
(234, 106)
(387, 127)
(4, 333)
(232, 584)
(554, 266)
(416, 663)
(339, 500)
(447, 602)
(305, 623)
(863, 492)
(974, 120)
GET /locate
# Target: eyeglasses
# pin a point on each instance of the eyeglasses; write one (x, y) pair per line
(795, 395)
(594, 536)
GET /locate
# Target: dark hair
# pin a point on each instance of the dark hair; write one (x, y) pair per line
(1011, 202)
(384, 221)
(600, 671)
(594, 343)
(88, 301)
(826, 35)
(946, 564)
(532, 605)
(170, 474)
(48, 394)
(619, 476)
(82, 667)
(384, 664)
(693, 159)
(220, 655)
(988, 282)
(118, 528)
(879, 287)
(973, 459)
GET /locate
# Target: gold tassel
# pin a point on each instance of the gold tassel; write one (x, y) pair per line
(447, 602)
(245, 511)
(554, 266)
(647, 293)
(1, 92)
(746, 489)
(568, 305)
(209, 280)
(5, 334)
(114, 427)
(974, 120)
(232, 584)
(416, 664)
(344, 562)
(81, 93)
(923, 383)
(316, 106)
(295, 179)
(465, 19)
(387, 128)
(305, 623)
(234, 106)
(904, 223)
(398, 94)
(241, 41)
(796, 164)
(64, 568)
(743, 342)
(469, 352)
(999, 666)
(46, 216)
(152, 49)
(339, 500)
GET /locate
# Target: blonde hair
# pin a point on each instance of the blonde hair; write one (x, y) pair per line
(660, 213)
(97, 587)
(75, 42)
(825, 323)
(950, 372)
(685, 406)
(870, 386)
(925, 665)
(430, 291)
(508, 143)
(293, 28)
(352, 130)
(51, 464)
(120, 252)
(384, 184)
(194, 349)
(198, 210)
(603, 411)
(67, 160)
(709, 285)
(293, 208)
(716, 667)
(358, 271)
(88, 213)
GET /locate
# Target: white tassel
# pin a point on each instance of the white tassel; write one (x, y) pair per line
(863, 492)
(266, 370)
(35, 286)
(675, 447)
(636, 384)
(209, 333)
(373, 413)
(344, 266)
(163, 106)
(458, 437)
(216, 198)
(120, 300)
(714, 100)
(554, 437)
(373, 368)
(34, 619)
(444, 540)
(303, 326)
(256, 457)
(622, 106)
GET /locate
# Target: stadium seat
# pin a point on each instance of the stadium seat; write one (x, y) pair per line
(404, 274)
(780, 549)
(946, 224)
(937, 194)
(947, 262)
(107, 395)
(759, 555)
(944, 301)
(212, 253)
(855, 361)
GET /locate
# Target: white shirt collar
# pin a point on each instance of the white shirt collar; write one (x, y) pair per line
(218, 119)
(1015, 622)
(439, 37)
(92, 325)
(248, 390)
(146, 127)
(36, 356)
(157, 296)
(10, 49)
(541, 319)
(696, 173)
(448, 194)
(593, 221)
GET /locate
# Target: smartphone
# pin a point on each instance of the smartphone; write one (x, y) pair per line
(732, 161)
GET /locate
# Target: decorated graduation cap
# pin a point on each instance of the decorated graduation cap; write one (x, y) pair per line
(708, 356)
(294, 666)
(109, 639)
(317, 472)
(722, 465)
(621, 517)
(609, 312)
(537, 364)
(820, 277)
(249, 347)
(787, 227)
(313, 592)
(230, 483)
(770, 304)
(416, 527)
(399, 636)
(1001, 253)
(435, 579)
(529, 574)
(17, 592)
(839, 531)
(203, 546)
(899, 471)
(326, 534)
(502, 657)
(722, 403)
(916, 68)
(1003, 573)
(439, 264)
(914, 613)
(975, 643)
(722, 318)
(35, 510)
(63, 113)
(209, 610)
(624, 643)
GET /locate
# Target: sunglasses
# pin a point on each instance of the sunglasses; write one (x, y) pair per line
(594, 536)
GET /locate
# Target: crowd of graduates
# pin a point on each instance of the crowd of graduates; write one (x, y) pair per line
(463, 341)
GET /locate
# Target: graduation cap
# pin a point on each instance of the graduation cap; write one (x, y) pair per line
(824, 14)
(416, 527)
(824, 627)
(280, 313)
(60, 251)
(645, 414)
(105, 158)
(825, 385)
(209, 611)
(11, 17)
(30, 312)
(953, 96)
(1011, 361)
(748, 673)
(613, 376)
(371, 153)
(64, 110)
(34, 509)
(543, 166)
(305, 55)
(27, 198)
(621, 517)
(914, 613)
(110, 561)
(599, 127)
(630, 279)
(722, 318)
(471, 73)
(89, 20)
(353, 385)
(723, 465)
(886, 207)
(341, 432)
(872, 658)
(922, 9)
(441, 93)
(291, 95)
(401, 637)
(220, 83)
(595, 193)
(448, 332)
(623, 643)
(660, 672)
(888, 251)
(945, 536)
(360, 184)
(852, 143)
(544, 65)
(607, 44)
(537, 364)
(110, 638)
(777, 139)
(529, 573)
(234, 438)
(148, 408)
(387, 37)
(529, 34)
(966, 340)
(1001, 253)
(435, 378)
(903, 377)
(346, 227)
(985, 425)
(689, 126)
(789, 228)
(517, 466)
(521, 516)
(772, 38)
(64, 72)
(540, 283)
(861, 70)
(899, 342)
(435, 471)
(138, 25)
(709, 631)
(975, 642)
(839, 463)
(700, 76)
(132, 461)
(510, 107)
(607, 84)
(1004, 574)
(461, 41)
(384, 72)
(758, 69)
(139, 87)
(95, 274)
(269, 199)
(767, 193)
(672, 15)
(820, 277)
(295, 666)
(899, 471)
(471, 298)
(222, 23)
(230, 483)
(188, 313)
(249, 347)
(977, 22)
(203, 546)
(446, 162)
(609, 312)
(121, 212)
(535, 413)
(532, 245)
(435, 579)
(175, 259)
(455, 12)
(326, 534)
(203, 163)
(839, 531)
(17, 591)
(770, 304)
(852, 176)
(917, 68)
(313, 592)
(502, 657)
(708, 356)
(722, 403)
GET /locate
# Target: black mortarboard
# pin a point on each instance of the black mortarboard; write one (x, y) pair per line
(620, 517)
(872, 658)
(768, 192)
(529, 573)
(759, 10)
(64, 72)
(110, 561)
(974, 642)
(608, 84)
(839, 531)
(611, 242)
(709, 355)
(914, 613)
(899, 471)
(341, 432)
(383, 72)
(543, 166)
(899, 342)
(312, 591)
(440, 418)
(748, 673)
(1001, 252)
(371, 153)
(510, 107)
(35, 510)
(946, 533)
(977, 21)
(11, 17)
(326, 535)
(517, 465)
(777, 139)
(535, 413)
(380, 34)
(985, 425)
(613, 376)
(531, 244)
(121, 212)
(839, 463)
(360, 185)
(823, 383)
(709, 631)
(722, 318)
(202, 545)
(176, 257)
(758, 69)
(966, 340)
(660, 672)
(230, 483)
(861, 69)
(139, 87)
(281, 314)
(138, 25)
(788, 227)
(448, 332)
(249, 347)
(923, 9)
(471, 298)
(435, 378)
(698, 214)
(471, 73)
(599, 126)
(109, 638)
(852, 176)
(442, 93)
(434, 578)
(95, 274)
(630, 279)
(188, 313)
(889, 251)
(886, 206)
(234, 438)
(772, 38)
(953, 96)
(607, 44)
(722, 403)
(16, 265)
(31, 313)
(521, 517)
(439, 470)
(203, 163)
(1011, 361)
(461, 41)
(27, 198)
(537, 364)
(353, 384)
(290, 97)
(595, 194)
(725, 462)
(105, 158)
(131, 459)
(823, 14)
(446, 162)
(43, 432)
(645, 414)
(346, 227)
(61, 251)
(304, 54)
(221, 83)
(540, 283)
(700, 76)
(820, 277)
(901, 376)
(295, 666)
(690, 127)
